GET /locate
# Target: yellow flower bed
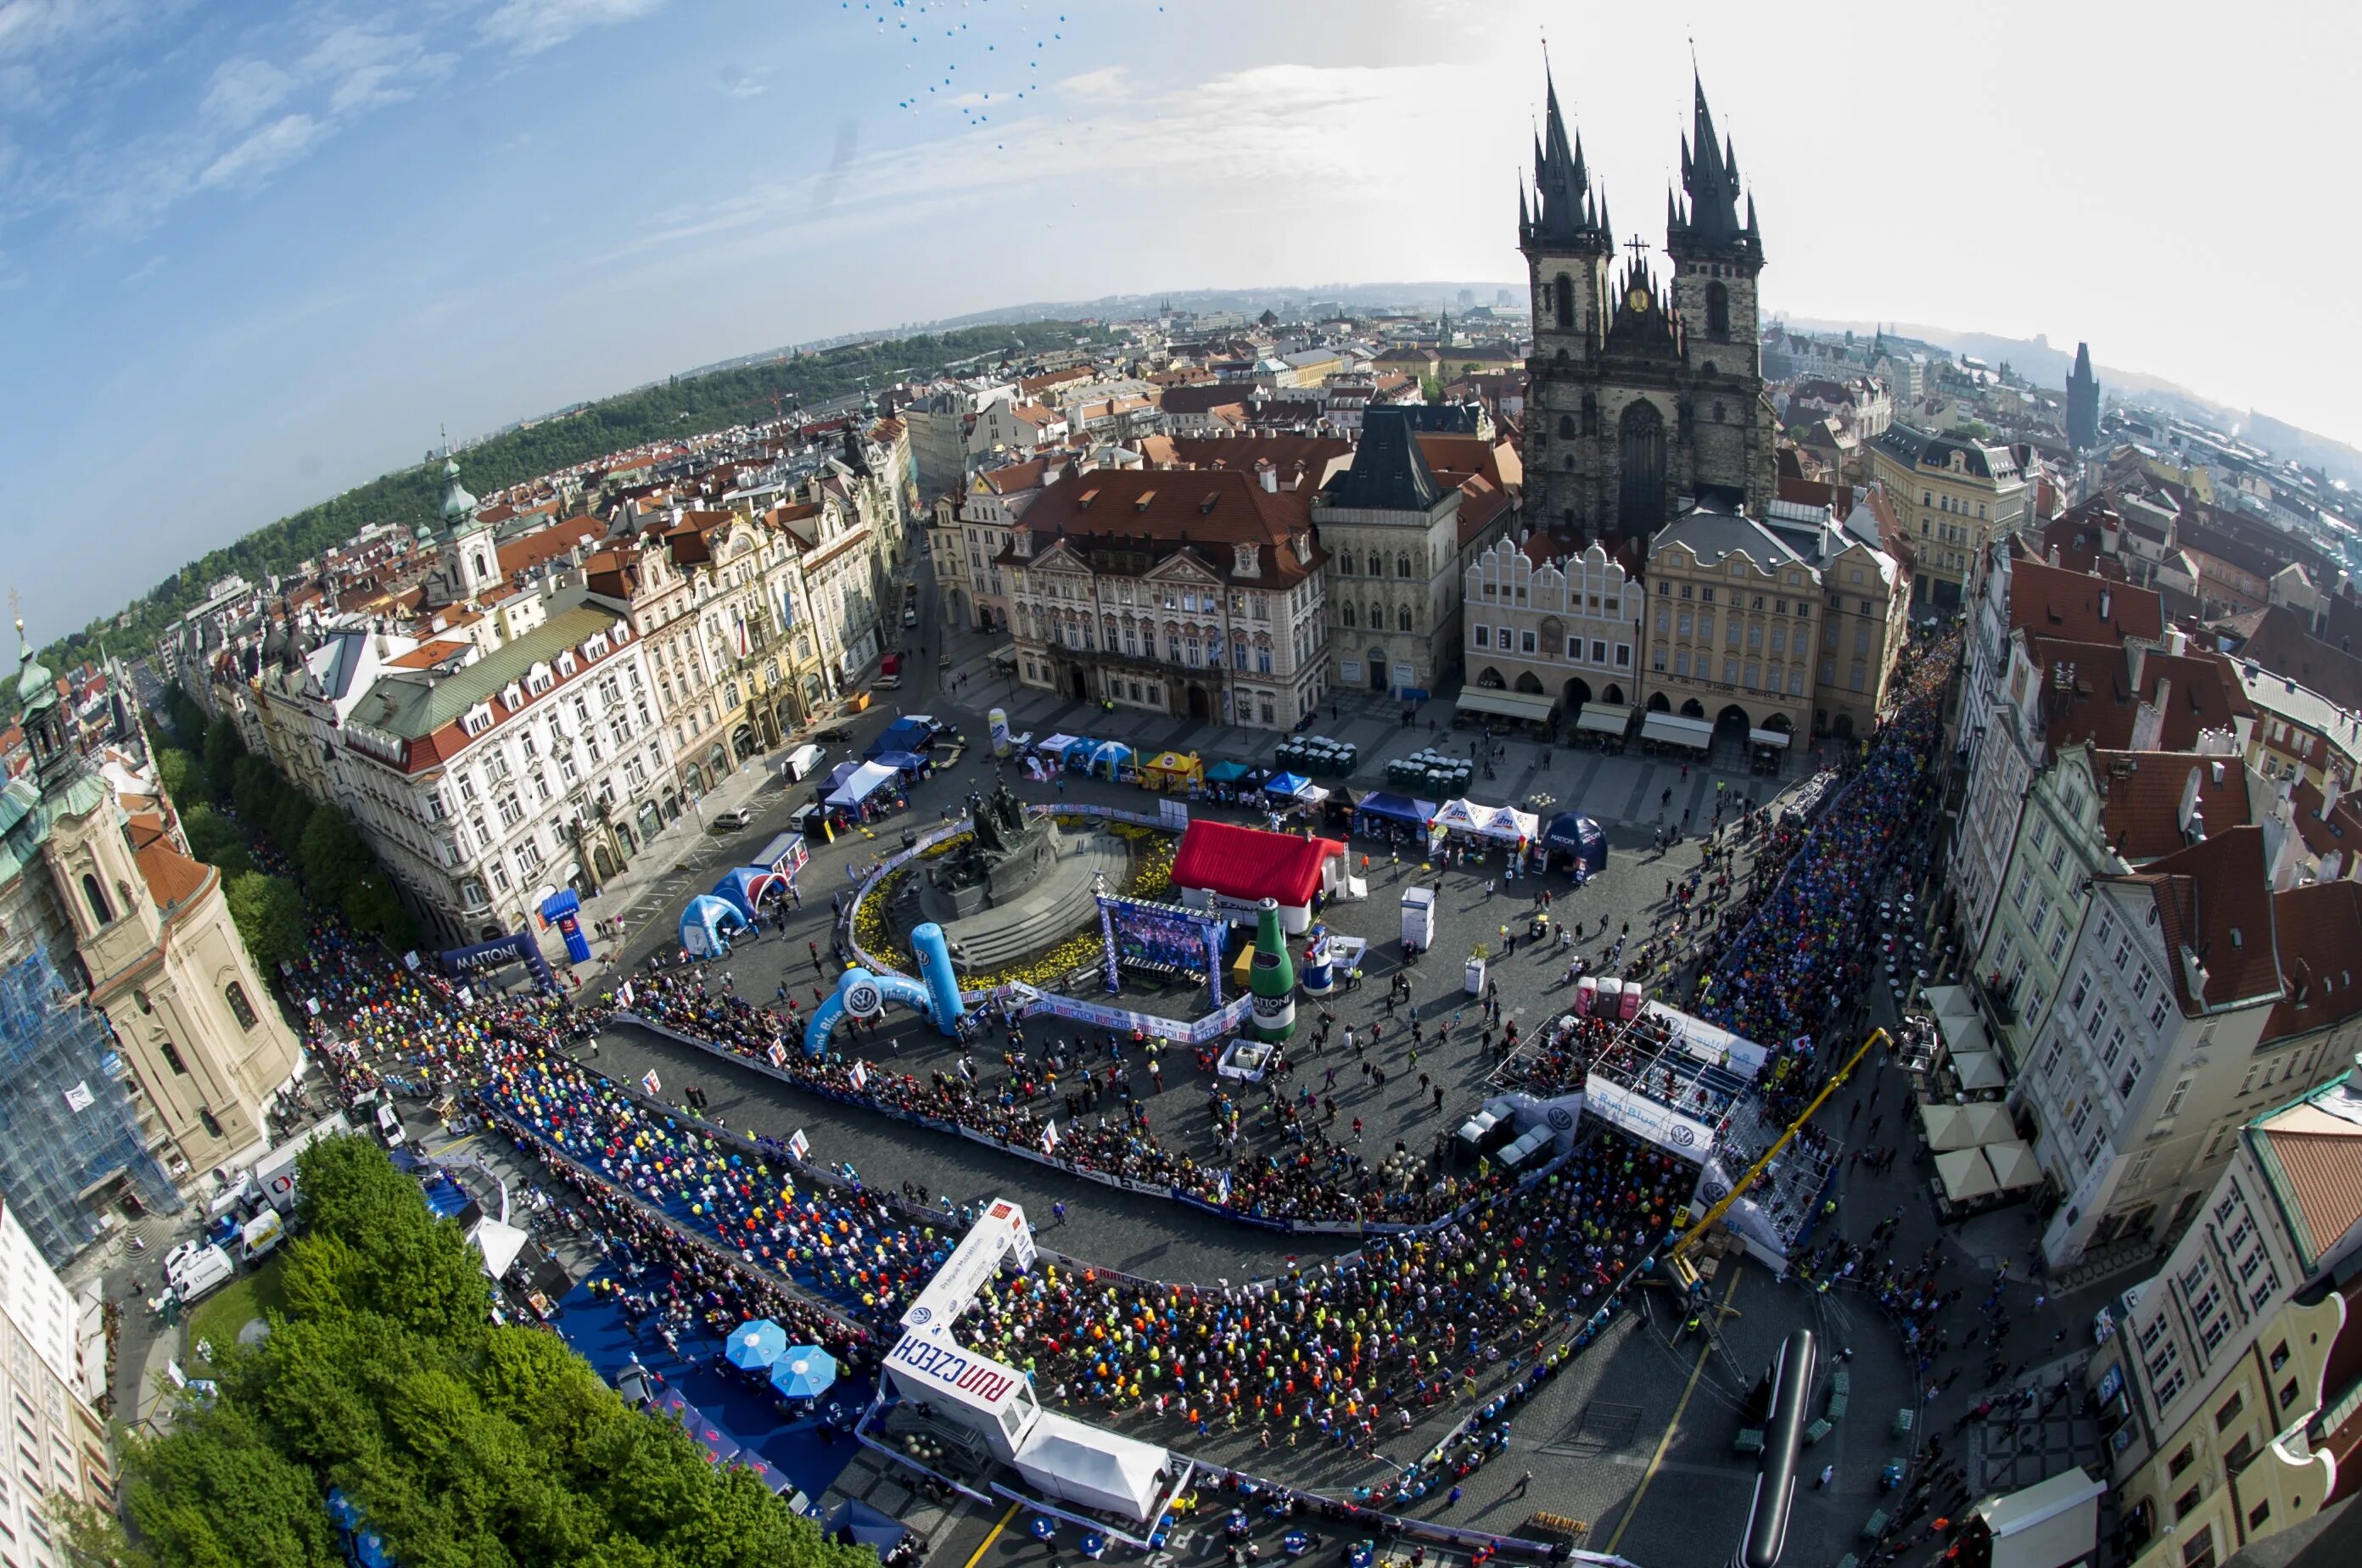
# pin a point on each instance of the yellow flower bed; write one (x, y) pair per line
(1151, 877)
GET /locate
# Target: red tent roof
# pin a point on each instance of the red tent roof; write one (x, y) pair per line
(1249, 863)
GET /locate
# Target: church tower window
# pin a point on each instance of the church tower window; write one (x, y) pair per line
(95, 894)
(1562, 297)
(1717, 310)
(240, 1009)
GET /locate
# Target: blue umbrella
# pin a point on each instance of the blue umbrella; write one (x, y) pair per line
(1094, 1545)
(803, 1372)
(756, 1344)
(1043, 1527)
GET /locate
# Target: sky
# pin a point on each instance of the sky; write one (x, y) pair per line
(252, 254)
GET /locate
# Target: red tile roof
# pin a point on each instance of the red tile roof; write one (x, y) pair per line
(2141, 794)
(2319, 929)
(2053, 603)
(548, 544)
(2214, 899)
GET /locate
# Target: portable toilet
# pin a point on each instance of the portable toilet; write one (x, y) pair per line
(1418, 917)
(1586, 995)
(1634, 993)
(1610, 1003)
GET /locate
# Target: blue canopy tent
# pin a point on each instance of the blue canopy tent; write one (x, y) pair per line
(1078, 752)
(855, 1523)
(1396, 809)
(705, 925)
(755, 1343)
(902, 735)
(1582, 841)
(1288, 784)
(901, 761)
(803, 1372)
(1227, 772)
(1111, 758)
(841, 772)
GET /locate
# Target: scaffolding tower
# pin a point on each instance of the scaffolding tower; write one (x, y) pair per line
(69, 1132)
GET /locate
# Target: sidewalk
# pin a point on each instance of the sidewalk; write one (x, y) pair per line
(663, 856)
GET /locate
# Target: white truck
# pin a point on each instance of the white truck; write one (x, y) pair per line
(275, 1172)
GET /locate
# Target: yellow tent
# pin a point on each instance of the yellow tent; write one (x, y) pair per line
(1173, 771)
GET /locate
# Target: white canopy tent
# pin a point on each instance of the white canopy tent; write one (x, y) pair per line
(1965, 1175)
(1988, 1122)
(2047, 1525)
(1530, 705)
(2014, 1165)
(1605, 718)
(1092, 1466)
(861, 783)
(1979, 1070)
(1945, 1128)
(499, 1243)
(1776, 738)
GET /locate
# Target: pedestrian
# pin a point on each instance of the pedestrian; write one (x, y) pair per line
(1828, 1474)
(1523, 1482)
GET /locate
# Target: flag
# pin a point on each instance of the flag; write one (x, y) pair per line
(1225, 1176)
(860, 1075)
(651, 1084)
(624, 994)
(798, 1146)
(1050, 1136)
(779, 1054)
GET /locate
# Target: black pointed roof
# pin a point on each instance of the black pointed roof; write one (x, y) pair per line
(1710, 181)
(1388, 472)
(1564, 212)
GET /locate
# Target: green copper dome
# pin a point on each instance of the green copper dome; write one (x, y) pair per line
(458, 506)
(36, 686)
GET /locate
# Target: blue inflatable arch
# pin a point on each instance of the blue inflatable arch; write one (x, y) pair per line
(863, 994)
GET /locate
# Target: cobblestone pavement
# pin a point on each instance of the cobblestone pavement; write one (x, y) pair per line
(1635, 1436)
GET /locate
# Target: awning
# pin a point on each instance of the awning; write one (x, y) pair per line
(1965, 1175)
(1676, 730)
(2014, 1165)
(1606, 718)
(1769, 737)
(1288, 784)
(1227, 772)
(1534, 705)
(864, 782)
(1945, 1128)
(499, 1245)
(1056, 744)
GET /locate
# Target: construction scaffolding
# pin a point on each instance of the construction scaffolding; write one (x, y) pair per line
(70, 1138)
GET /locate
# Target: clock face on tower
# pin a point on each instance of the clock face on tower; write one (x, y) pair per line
(1637, 299)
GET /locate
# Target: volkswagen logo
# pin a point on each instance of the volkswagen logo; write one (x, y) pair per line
(1684, 1134)
(863, 999)
(1559, 1118)
(923, 1314)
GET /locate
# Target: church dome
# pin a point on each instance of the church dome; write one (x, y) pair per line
(458, 506)
(36, 686)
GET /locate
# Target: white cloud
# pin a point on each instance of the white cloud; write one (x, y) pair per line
(1108, 84)
(264, 153)
(530, 27)
(243, 90)
(29, 26)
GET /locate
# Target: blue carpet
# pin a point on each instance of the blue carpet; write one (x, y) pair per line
(745, 1412)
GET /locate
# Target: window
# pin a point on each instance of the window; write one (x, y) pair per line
(2258, 1513)
(2173, 1101)
(2287, 1393)
(1484, 634)
(2235, 1458)
(2198, 1550)
(101, 912)
(2187, 1503)
(2279, 1357)
(240, 1009)
(2180, 1462)
(212, 1125)
(171, 1055)
(2231, 1407)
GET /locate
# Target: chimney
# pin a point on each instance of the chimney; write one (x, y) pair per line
(2148, 720)
(2177, 641)
(2331, 786)
(2106, 598)
(1268, 475)
(2054, 559)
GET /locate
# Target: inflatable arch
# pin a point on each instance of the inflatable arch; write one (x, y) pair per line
(863, 995)
(745, 888)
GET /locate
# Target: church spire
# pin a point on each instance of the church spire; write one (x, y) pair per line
(1710, 179)
(1562, 212)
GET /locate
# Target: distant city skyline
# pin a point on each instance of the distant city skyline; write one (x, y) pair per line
(253, 254)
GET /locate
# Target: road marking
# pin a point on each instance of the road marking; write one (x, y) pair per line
(977, 1556)
(1656, 1460)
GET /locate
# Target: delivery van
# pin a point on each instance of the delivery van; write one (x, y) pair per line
(803, 761)
(198, 1271)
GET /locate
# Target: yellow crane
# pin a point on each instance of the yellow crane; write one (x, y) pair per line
(1689, 1238)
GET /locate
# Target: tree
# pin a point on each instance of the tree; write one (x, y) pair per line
(289, 816)
(371, 904)
(459, 1441)
(268, 914)
(332, 855)
(223, 748)
(209, 833)
(178, 772)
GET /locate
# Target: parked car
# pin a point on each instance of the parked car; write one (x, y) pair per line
(832, 732)
(733, 820)
(887, 683)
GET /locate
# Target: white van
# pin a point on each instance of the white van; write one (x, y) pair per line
(388, 1125)
(803, 761)
(261, 1233)
(196, 1274)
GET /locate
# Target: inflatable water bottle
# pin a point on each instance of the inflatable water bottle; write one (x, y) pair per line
(1271, 977)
